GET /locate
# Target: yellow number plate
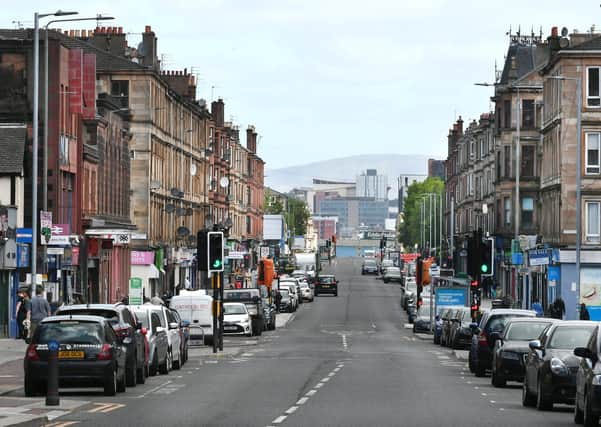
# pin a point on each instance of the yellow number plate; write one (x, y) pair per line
(70, 355)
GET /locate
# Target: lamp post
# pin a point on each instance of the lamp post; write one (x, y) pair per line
(35, 125)
(578, 173)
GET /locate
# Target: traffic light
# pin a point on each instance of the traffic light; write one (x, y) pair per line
(201, 248)
(474, 298)
(215, 251)
(487, 256)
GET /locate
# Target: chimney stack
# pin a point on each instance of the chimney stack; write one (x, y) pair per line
(149, 42)
(218, 112)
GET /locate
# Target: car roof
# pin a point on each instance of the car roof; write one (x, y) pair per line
(82, 317)
(510, 311)
(88, 306)
(234, 303)
(533, 320)
(575, 323)
(326, 275)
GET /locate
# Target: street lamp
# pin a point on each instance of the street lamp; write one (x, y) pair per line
(34, 172)
(578, 172)
(45, 148)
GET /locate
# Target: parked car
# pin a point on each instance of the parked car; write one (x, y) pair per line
(480, 355)
(392, 274)
(90, 353)
(511, 348)
(297, 288)
(460, 335)
(236, 319)
(184, 334)
(422, 320)
(170, 325)
(156, 335)
(196, 308)
(408, 292)
(294, 296)
(587, 404)
(127, 328)
(551, 366)
(306, 292)
(326, 284)
(253, 300)
(447, 320)
(370, 266)
(286, 301)
(385, 264)
(269, 314)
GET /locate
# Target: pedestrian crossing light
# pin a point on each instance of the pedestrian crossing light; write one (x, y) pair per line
(487, 258)
(215, 251)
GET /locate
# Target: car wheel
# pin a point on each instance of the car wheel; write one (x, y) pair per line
(31, 387)
(578, 413)
(130, 372)
(110, 384)
(164, 367)
(141, 375)
(335, 294)
(497, 380)
(154, 367)
(177, 364)
(121, 382)
(386, 280)
(208, 340)
(470, 361)
(527, 399)
(479, 371)
(590, 419)
(542, 402)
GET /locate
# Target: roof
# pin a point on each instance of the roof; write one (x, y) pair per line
(592, 44)
(12, 148)
(524, 55)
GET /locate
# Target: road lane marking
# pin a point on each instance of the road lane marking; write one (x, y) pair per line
(247, 354)
(311, 392)
(279, 419)
(319, 385)
(152, 390)
(55, 414)
(62, 424)
(292, 410)
(100, 406)
(331, 374)
(302, 400)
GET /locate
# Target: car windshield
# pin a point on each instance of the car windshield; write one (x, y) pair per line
(411, 286)
(237, 296)
(234, 309)
(569, 337)
(424, 310)
(304, 285)
(110, 315)
(370, 263)
(143, 318)
(497, 322)
(70, 332)
(393, 270)
(326, 279)
(524, 331)
(284, 293)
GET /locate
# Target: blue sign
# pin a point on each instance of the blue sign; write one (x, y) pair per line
(53, 345)
(553, 273)
(24, 235)
(539, 257)
(517, 258)
(451, 297)
(23, 252)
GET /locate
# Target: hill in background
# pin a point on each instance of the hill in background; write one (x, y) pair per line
(346, 169)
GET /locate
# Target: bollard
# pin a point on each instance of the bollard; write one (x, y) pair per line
(52, 398)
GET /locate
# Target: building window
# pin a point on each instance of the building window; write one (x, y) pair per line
(528, 113)
(592, 153)
(507, 114)
(507, 170)
(527, 160)
(527, 211)
(120, 90)
(592, 222)
(593, 98)
(507, 202)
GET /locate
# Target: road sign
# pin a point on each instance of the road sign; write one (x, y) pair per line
(135, 291)
(264, 251)
(55, 251)
(45, 226)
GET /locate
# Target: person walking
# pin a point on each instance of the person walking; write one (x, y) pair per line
(23, 312)
(39, 309)
(536, 306)
(584, 314)
(278, 300)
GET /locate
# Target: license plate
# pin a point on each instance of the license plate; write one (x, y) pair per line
(230, 328)
(325, 286)
(70, 354)
(196, 342)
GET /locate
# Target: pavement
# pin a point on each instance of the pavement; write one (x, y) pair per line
(338, 361)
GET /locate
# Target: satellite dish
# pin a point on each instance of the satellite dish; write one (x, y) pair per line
(170, 208)
(564, 32)
(183, 231)
(224, 182)
(193, 169)
(564, 42)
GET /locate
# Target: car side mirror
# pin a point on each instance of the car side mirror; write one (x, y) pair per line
(585, 353)
(534, 345)
(173, 325)
(494, 337)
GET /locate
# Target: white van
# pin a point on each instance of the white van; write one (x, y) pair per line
(196, 308)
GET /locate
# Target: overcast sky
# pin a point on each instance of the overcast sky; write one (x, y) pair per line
(327, 78)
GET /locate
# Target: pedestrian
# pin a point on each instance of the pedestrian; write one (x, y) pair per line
(557, 309)
(536, 306)
(584, 314)
(23, 312)
(39, 309)
(278, 299)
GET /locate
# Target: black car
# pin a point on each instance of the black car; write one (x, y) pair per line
(551, 366)
(126, 327)
(460, 334)
(587, 405)
(370, 266)
(421, 323)
(511, 348)
(480, 356)
(89, 354)
(326, 284)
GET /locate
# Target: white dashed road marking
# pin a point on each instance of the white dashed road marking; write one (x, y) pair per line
(292, 410)
(302, 400)
(311, 392)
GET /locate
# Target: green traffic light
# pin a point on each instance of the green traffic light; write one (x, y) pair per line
(217, 263)
(484, 268)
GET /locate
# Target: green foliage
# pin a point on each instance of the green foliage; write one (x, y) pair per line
(296, 216)
(272, 205)
(410, 228)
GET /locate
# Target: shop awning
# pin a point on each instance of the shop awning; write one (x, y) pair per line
(145, 271)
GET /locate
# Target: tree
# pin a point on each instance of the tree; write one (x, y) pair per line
(297, 215)
(410, 227)
(272, 205)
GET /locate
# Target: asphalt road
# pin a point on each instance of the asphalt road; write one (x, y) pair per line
(341, 361)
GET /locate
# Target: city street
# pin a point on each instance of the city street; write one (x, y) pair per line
(340, 361)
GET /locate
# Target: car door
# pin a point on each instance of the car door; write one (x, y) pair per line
(131, 320)
(586, 371)
(536, 360)
(160, 338)
(174, 335)
(118, 349)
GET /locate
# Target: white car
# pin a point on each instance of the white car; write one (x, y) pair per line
(292, 288)
(173, 334)
(306, 291)
(236, 319)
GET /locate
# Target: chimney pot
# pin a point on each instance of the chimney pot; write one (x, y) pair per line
(120, 30)
(554, 32)
(148, 29)
(97, 30)
(71, 33)
(77, 33)
(185, 71)
(103, 30)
